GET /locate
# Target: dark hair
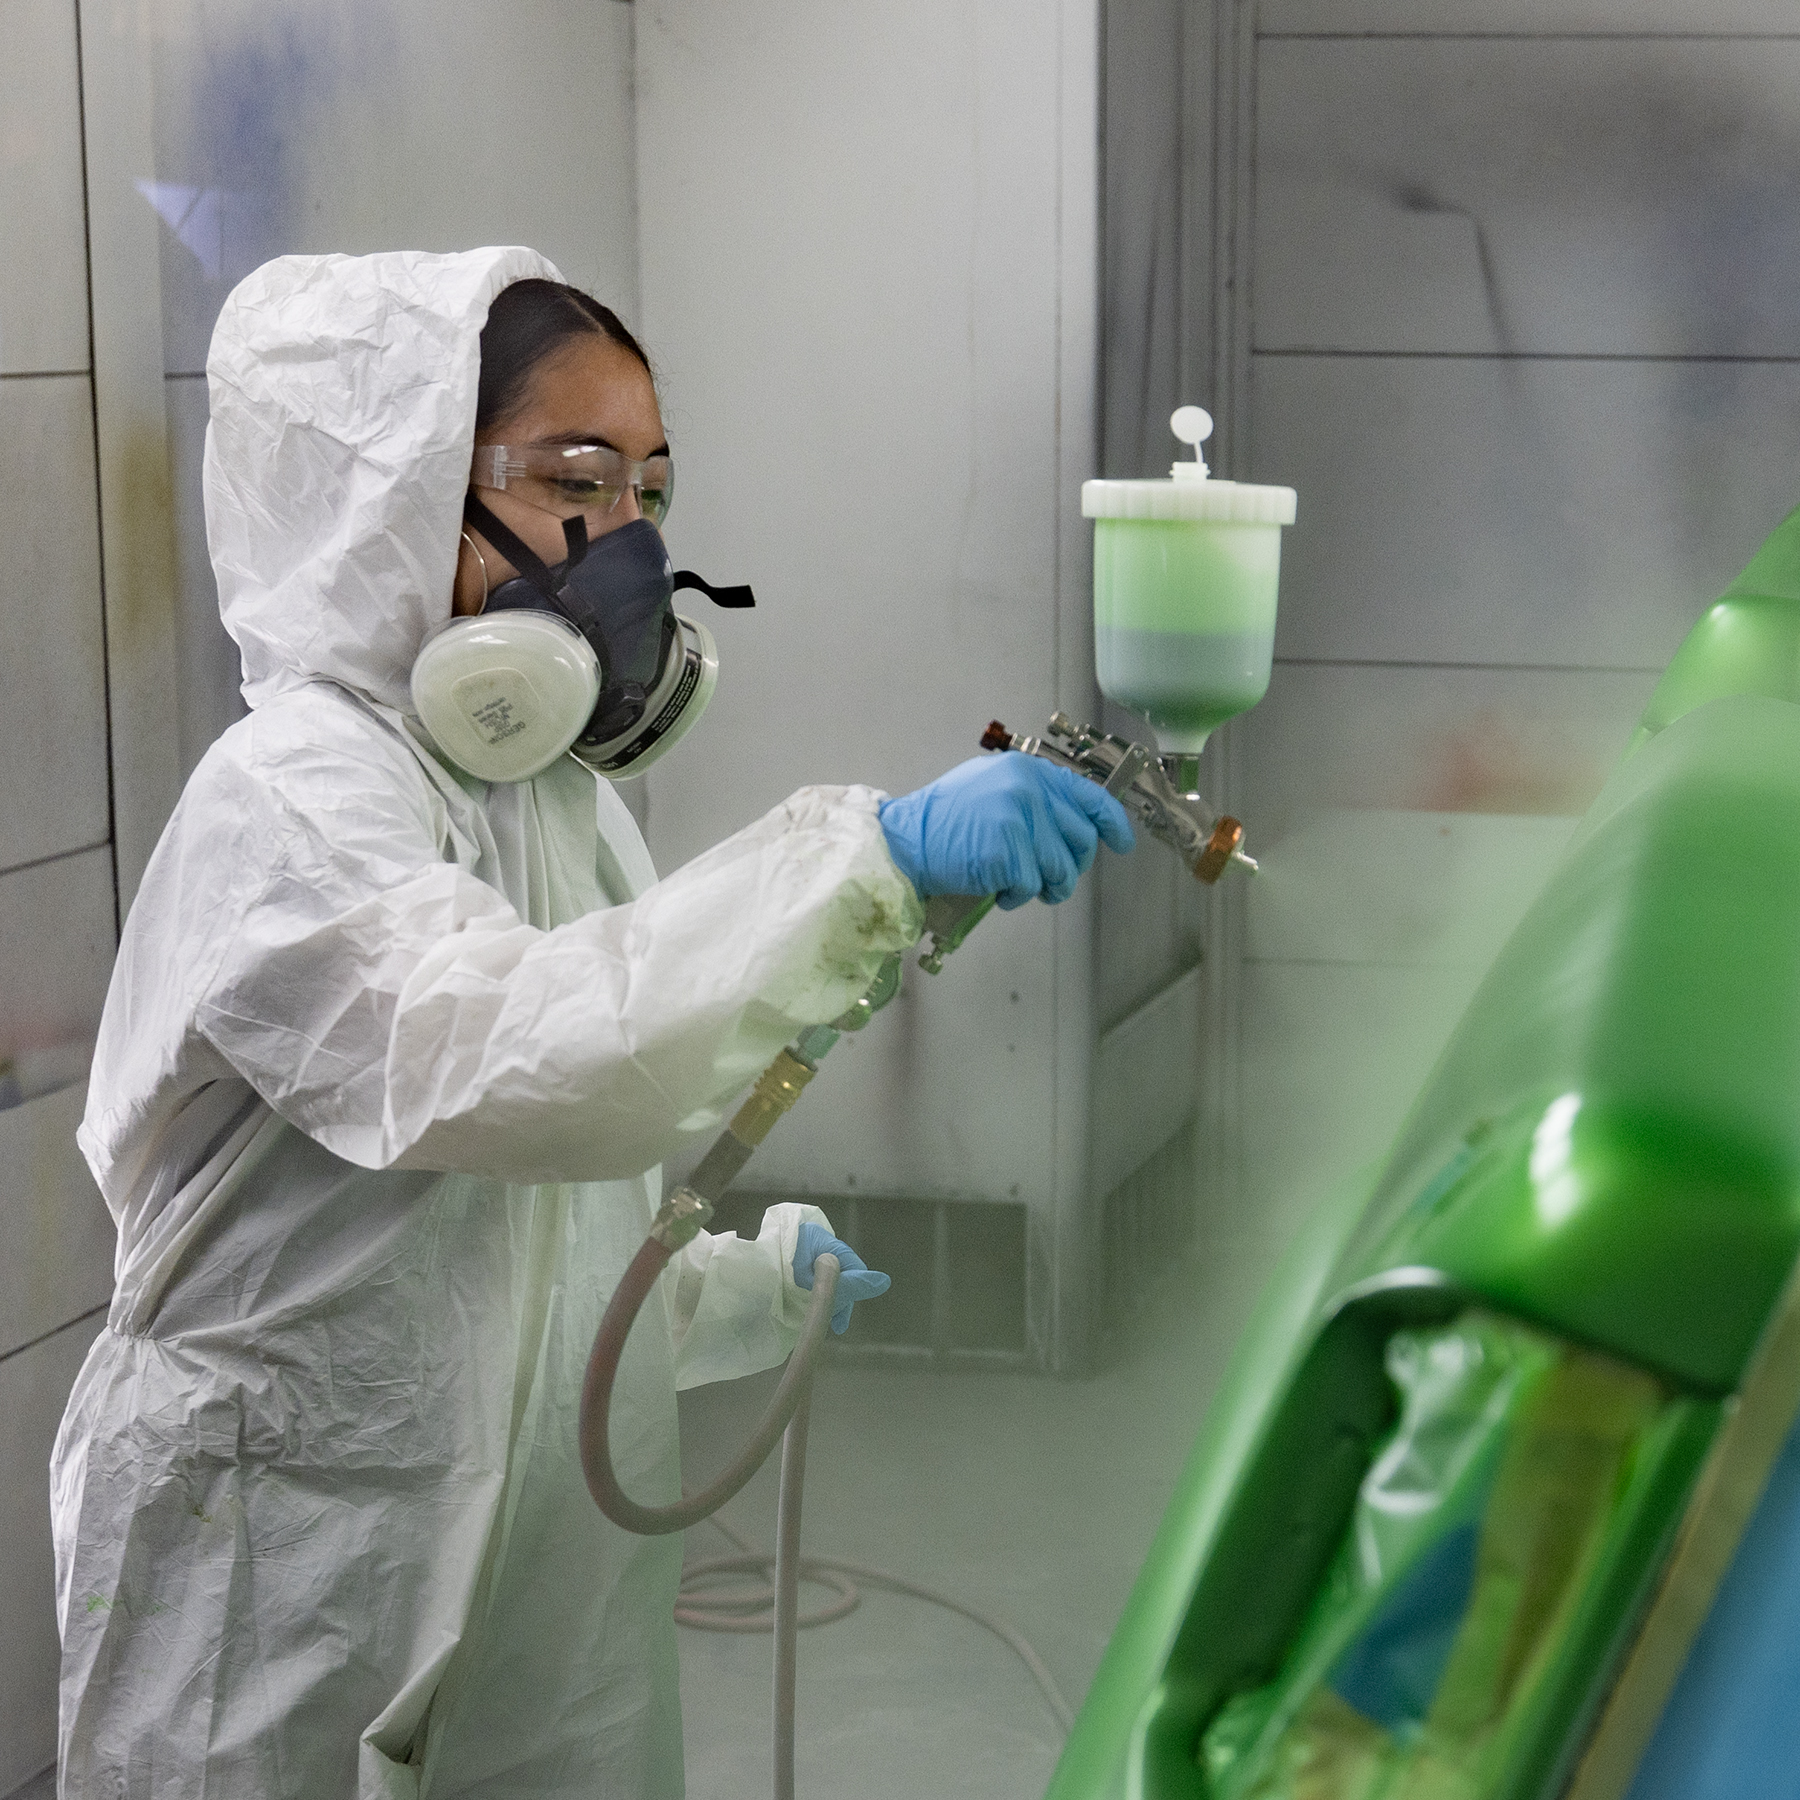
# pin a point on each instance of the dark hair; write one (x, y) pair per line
(527, 322)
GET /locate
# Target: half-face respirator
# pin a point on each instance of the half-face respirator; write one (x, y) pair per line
(588, 656)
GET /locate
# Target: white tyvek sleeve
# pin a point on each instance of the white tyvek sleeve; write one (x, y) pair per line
(734, 1306)
(398, 1010)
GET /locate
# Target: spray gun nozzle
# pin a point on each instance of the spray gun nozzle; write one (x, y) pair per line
(1224, 845)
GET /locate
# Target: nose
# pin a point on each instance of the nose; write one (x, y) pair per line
(622, 512)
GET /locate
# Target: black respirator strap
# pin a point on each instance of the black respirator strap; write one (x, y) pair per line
(539, 574)
(521, 555)
(719, 596)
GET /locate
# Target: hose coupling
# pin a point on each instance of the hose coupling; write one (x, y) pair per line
(680, 1219)
(777, 1088)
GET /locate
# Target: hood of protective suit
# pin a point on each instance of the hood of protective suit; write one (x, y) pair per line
(343, 415)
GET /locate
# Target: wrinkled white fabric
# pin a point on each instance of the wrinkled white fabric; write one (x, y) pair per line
(387, 1065)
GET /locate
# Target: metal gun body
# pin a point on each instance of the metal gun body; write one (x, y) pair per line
(1143, 783)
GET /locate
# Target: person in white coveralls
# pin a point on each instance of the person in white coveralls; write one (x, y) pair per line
(390, 1058)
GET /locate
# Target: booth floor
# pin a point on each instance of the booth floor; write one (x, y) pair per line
(1022, 1495)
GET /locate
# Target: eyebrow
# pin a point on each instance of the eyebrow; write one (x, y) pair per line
(593, 437)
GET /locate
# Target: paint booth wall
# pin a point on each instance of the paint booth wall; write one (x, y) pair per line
(1520, 330)
(294, 126)
(867, 240)
(56, 861)
(284, 126)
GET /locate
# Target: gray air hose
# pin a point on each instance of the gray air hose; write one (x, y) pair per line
(681, 1217)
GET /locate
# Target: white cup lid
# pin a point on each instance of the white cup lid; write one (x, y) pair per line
(1189, 493)
(1217, 502)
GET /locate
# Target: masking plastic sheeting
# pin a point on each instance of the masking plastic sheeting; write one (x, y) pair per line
(1473, 1537)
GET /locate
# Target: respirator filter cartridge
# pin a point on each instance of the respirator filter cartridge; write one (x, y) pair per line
(505, 694)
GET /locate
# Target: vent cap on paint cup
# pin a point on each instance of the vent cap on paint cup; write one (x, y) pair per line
(1189, 493)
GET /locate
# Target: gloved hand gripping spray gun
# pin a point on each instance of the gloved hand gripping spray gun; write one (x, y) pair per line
(1185, 579)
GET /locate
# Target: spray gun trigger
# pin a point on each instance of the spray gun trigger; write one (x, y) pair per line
(950, 918)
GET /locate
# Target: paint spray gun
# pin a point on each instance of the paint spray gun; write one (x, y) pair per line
(1208, 842)
(1144, 783)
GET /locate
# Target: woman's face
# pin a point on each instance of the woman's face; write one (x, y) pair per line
(589, 391)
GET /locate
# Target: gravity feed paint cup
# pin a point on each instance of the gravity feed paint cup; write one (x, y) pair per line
(1185, 579)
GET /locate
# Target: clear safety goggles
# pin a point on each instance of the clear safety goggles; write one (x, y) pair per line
(576, 478)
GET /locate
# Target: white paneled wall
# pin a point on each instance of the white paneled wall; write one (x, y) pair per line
(1435, 738)
(57, 898)
(357, 125)
(59, 1235)
(56, 922)
(1518, 511)
(868, 274)
(33, 1387)
(53, 674)
(858, 326)
(43, 295)
(299, 128)
(1623, 196)
(1520, 329)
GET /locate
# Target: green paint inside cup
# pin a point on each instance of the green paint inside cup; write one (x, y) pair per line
(1184, 621)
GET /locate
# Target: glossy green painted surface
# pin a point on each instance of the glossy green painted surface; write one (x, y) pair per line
(1609, 1147)
(1747, 643)
(1610, 1143)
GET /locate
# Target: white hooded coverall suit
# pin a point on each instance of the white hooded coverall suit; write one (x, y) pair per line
(388, 1061)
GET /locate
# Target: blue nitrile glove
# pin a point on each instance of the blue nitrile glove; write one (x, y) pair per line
(1012, 825)
(856, 1282)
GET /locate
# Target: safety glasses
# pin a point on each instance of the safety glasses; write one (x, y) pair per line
(569, 478)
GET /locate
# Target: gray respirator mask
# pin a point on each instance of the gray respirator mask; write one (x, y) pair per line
(588, 655)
